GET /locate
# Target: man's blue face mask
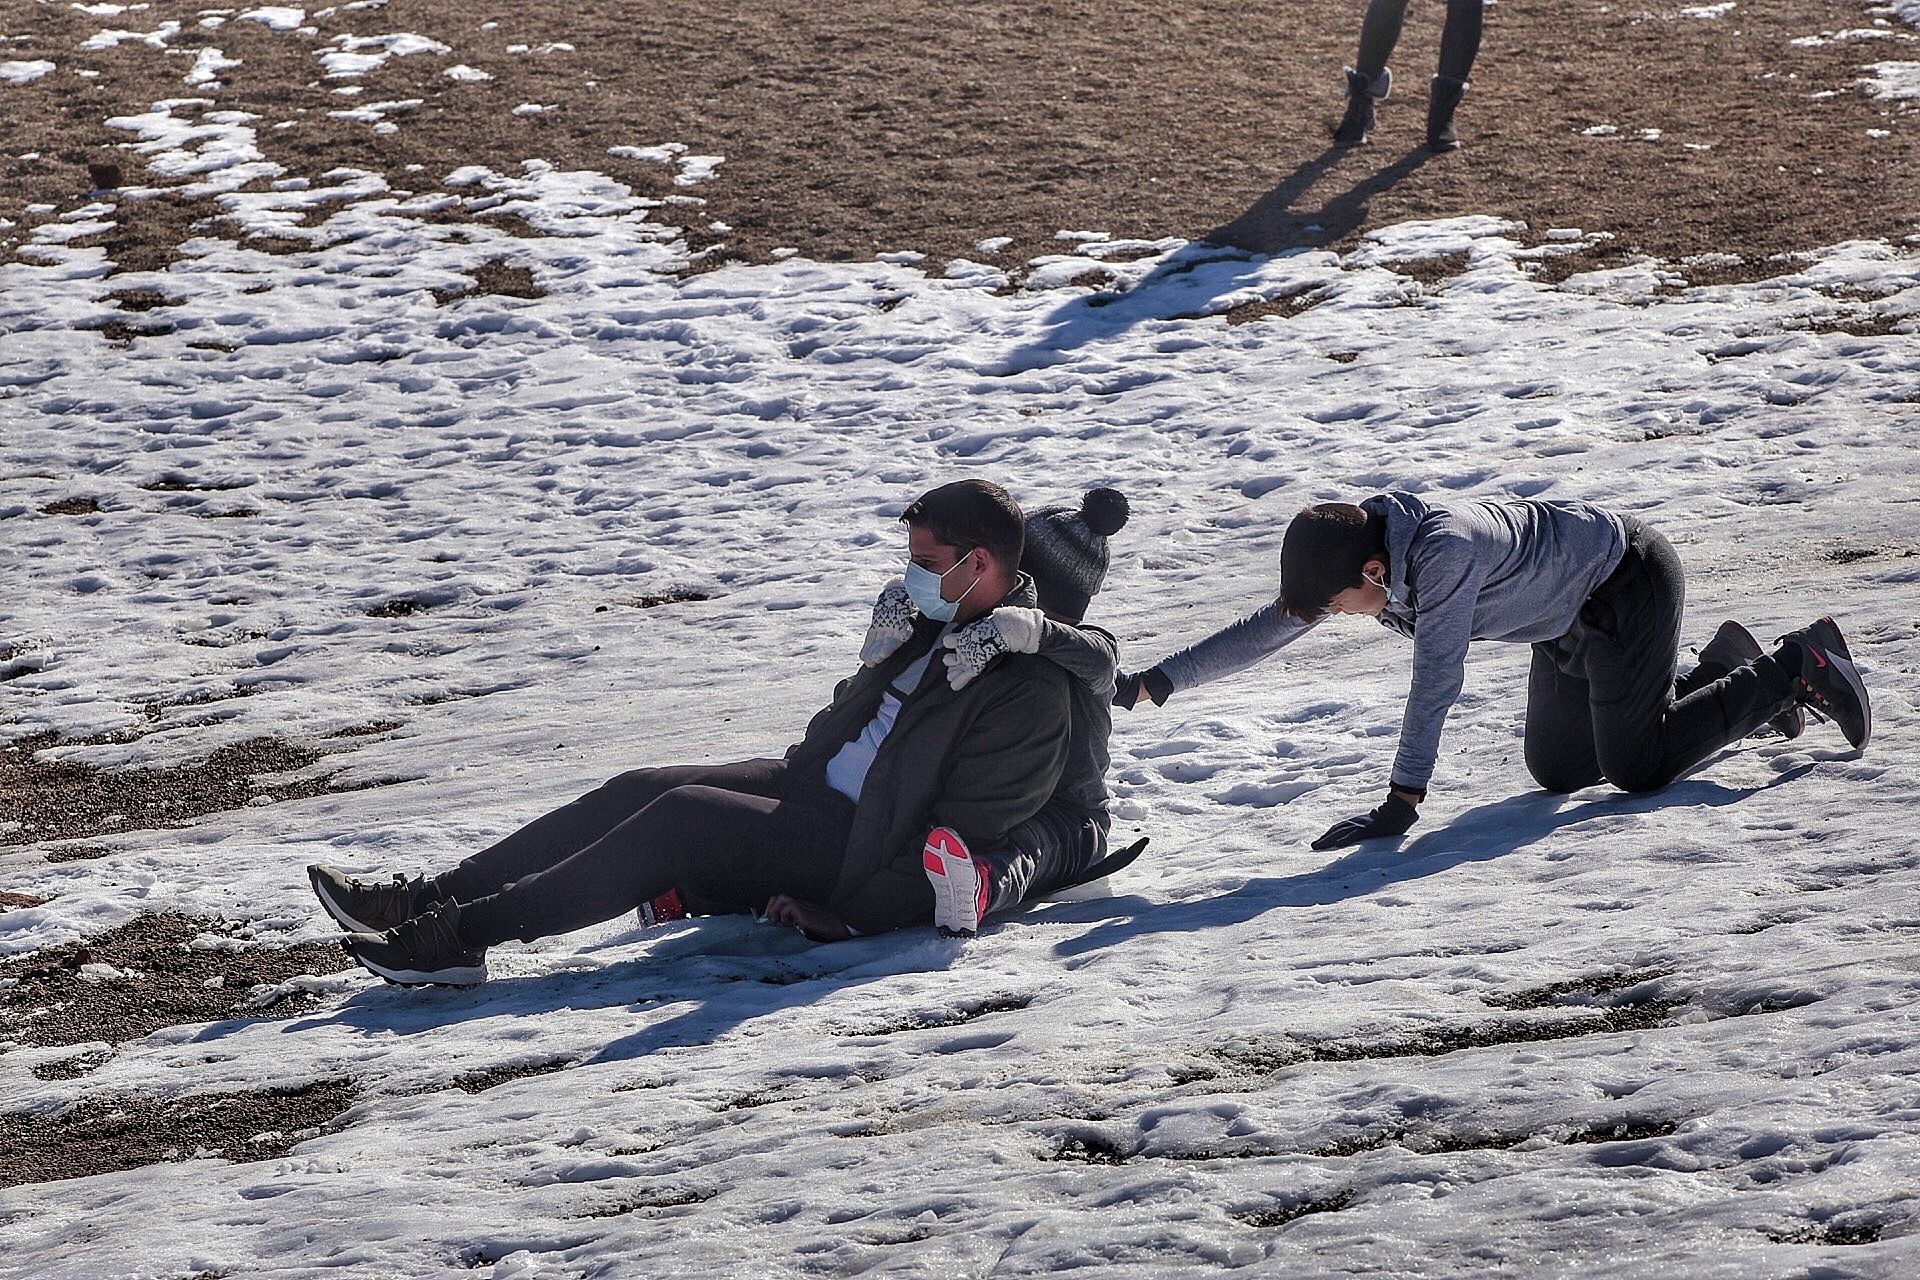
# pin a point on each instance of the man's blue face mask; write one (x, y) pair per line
(923, 588)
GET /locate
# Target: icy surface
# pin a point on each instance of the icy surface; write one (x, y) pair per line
(25, 71)
(1147, 1084)
(276, 17)
(1894, 80)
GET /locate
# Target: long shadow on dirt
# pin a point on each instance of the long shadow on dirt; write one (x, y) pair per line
(1273, 224)
(1192, 279)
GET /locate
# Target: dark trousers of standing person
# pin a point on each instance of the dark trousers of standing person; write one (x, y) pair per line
(1602, 701)
(730, 835)
(1047, 852)
(1459, 39)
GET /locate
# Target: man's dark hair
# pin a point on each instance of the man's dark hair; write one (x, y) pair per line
(971, 513)
(1322, 553)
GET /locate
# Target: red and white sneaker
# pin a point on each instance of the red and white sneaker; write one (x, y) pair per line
(667, 907)
(959, 883)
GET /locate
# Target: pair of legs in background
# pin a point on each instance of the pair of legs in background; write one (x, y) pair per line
(1603, 703)
(1368, 80)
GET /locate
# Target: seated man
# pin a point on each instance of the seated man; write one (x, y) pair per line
(1599, 595)
(1064, 844)
(828, 838)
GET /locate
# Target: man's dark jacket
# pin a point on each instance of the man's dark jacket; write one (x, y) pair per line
(979, 760)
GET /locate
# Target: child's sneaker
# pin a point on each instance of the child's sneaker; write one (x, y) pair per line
(1829, 683)
(959, 883)
(663, 909)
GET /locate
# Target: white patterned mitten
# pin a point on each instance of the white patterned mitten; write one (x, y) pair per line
(984, 639)
(892, 625)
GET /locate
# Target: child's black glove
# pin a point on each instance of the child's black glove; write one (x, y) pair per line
(1391, 818)
(1129, 688)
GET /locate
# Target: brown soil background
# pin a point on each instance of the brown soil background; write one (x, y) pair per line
(880, 125)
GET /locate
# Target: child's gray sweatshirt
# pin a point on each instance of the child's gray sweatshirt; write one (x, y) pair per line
(1516, 571)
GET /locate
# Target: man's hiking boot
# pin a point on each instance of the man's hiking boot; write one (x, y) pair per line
(423, 951)
(1828, 683)
(366, 906)
(1363, 91)
(1734, 646)
(959, 883)
(662, 910)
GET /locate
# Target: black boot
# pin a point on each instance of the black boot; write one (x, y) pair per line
(1362, 92)
(1442, 100)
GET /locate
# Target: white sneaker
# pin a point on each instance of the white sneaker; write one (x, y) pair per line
(959, 883)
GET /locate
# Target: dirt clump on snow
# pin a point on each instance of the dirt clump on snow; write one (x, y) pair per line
(873, 126)
(154, 971)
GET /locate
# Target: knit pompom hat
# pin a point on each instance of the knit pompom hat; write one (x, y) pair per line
(1066, 550)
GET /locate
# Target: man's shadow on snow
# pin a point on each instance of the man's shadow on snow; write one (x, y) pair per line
(1478, 835)
(1219, 262)
(719, 973)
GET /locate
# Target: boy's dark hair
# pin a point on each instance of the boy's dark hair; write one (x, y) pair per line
(969, 514)
(1322, 553)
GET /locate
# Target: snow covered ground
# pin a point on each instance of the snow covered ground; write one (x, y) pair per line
(1251, 1056)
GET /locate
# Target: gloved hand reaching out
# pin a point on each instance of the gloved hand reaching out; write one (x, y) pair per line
(986, 638)
(1393, 817)
(892, 625)
(1129, 688)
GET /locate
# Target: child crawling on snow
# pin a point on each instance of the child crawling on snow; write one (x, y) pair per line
(1598, 594)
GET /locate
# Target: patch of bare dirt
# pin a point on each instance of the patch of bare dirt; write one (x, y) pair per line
(1280, 1215)
(496, 276)
(77, 852)
(493, 1077)
(876, 125)
(654, 601)
(1433, 1042)
(1572, 990)
(154, 971)
(1842, 1230)
(1430, 271)
(961, 1013)
(62, 800)
(673, 1198)
(128, 1131)
(1285, 308)
(72, 507)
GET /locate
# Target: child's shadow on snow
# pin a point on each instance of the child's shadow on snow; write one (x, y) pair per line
(1477, 835)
